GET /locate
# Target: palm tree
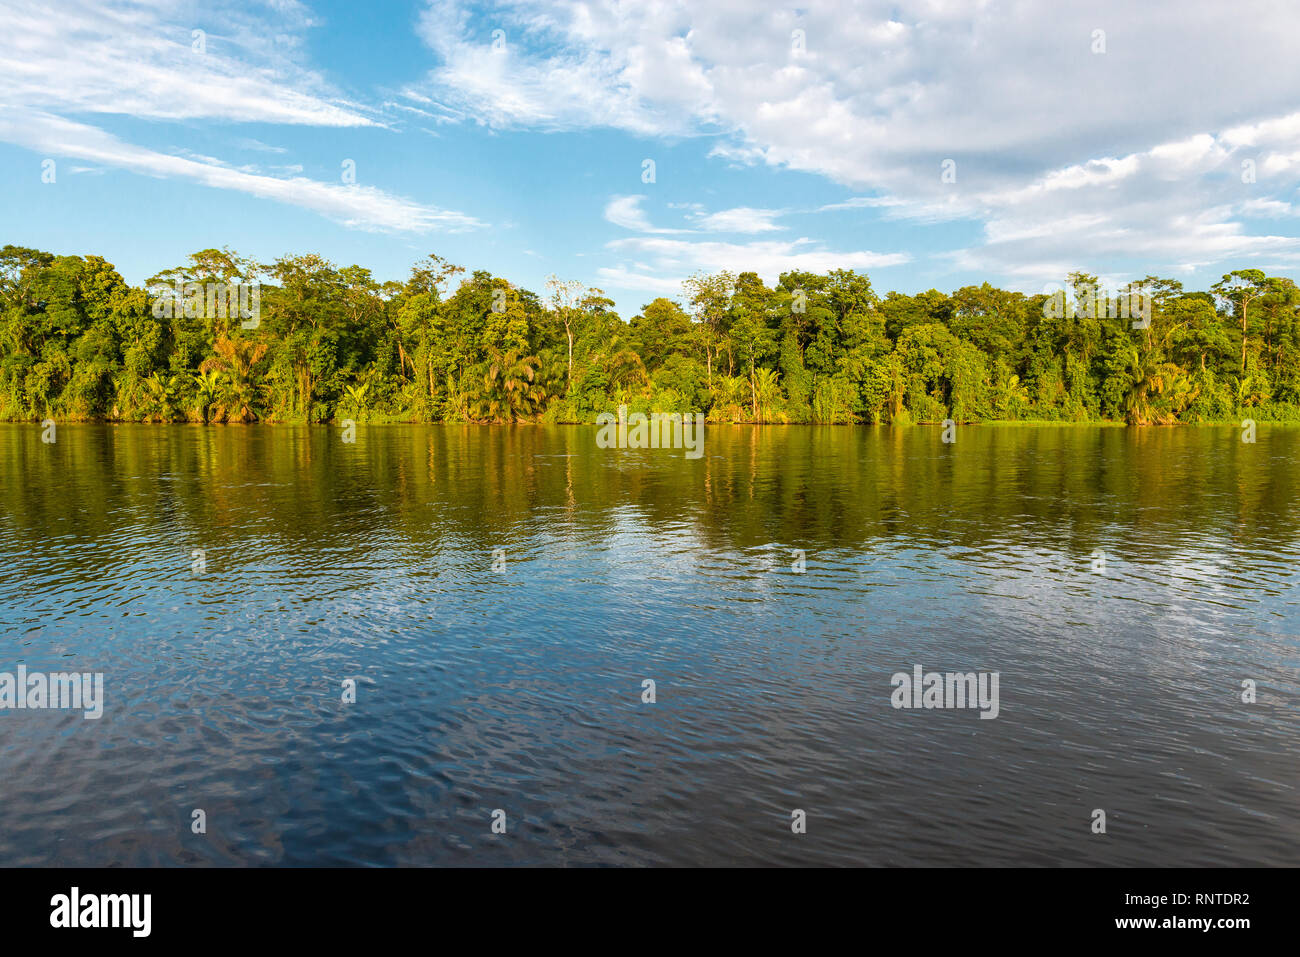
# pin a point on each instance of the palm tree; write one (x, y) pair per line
(766, 389)
(209, 386)
(729, 398)
(511, 389)
(159, 396)
(621, 365)
(1150, 375)
(356, 396)
(236, 359)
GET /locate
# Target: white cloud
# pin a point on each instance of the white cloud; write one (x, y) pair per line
(741, 219)
(626, 211)
(620, 277)
(501, 84)
(651, 263)
(144, 61)
(864, 202)
(363, 207)
(1270, 208)
(1174, 206)
(660, 264)
(1062, 154)
(252, 144)
(139, 60)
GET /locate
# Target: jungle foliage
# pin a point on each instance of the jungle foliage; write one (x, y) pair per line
(79, 343)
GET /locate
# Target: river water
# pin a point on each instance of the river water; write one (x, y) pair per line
(500, 595)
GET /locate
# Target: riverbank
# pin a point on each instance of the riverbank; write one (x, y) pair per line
(395, 420)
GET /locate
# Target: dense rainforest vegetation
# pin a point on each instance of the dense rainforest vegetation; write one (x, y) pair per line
(78, 343)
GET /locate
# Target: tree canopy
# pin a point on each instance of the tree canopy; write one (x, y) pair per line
(77, 342)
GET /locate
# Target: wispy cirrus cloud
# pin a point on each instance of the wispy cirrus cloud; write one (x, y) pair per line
(141, 60)
(362, 207)
(179, 61)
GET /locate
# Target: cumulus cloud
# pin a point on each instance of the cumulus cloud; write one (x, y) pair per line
(657, 264)
(626, 211)
(650, 263)
(1060, 152)
(1178, 204)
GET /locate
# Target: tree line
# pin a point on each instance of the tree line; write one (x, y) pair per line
(328, 342)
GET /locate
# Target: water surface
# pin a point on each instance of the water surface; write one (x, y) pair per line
(520, 688)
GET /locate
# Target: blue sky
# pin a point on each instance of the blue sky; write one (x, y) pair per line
(782, 137)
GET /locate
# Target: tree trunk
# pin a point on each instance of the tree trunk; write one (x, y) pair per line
(1244, 304)
(753, 388)
(569, 334)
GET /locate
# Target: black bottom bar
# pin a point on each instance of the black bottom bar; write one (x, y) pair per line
(652, 907)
